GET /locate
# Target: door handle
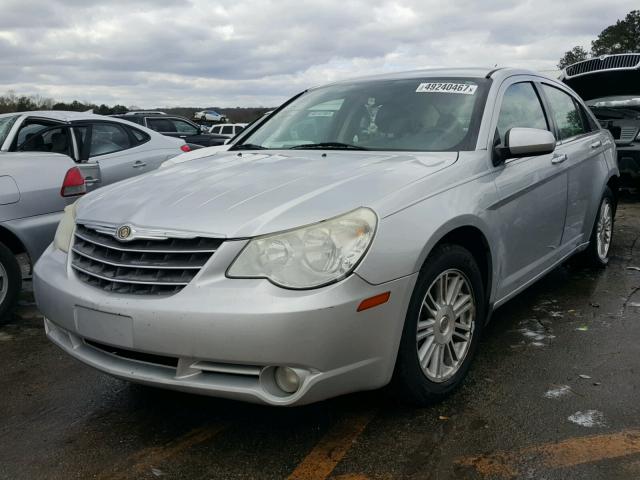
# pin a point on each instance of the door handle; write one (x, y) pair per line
(139, 164)
(596, 144)
(558, 158)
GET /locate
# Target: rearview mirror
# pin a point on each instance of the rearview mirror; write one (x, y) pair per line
(524, 142)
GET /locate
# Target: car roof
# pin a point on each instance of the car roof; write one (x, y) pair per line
(472, 72)
(60, 115)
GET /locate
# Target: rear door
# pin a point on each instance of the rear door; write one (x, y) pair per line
(532, 192)
(122, 151)
(581, 147)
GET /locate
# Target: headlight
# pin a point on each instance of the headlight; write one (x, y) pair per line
(62, 240)
(310, 256)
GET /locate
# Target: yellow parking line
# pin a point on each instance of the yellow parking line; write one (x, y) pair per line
(332, 448)
(567, 453)
(144, 460)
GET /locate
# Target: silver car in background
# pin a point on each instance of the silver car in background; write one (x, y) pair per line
(45, 158)
(365, 231)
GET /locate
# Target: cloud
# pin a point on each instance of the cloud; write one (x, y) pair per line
(259, 52)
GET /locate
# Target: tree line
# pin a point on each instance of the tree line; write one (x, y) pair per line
(11, 102)
(621, 37)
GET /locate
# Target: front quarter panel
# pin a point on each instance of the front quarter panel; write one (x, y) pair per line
(423, 213)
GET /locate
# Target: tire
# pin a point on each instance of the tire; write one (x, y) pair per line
(606, 214)
(10, 282)
(423, 386)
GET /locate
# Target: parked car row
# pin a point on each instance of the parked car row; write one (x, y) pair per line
(362, 232)
(47, 159)
(177, 127)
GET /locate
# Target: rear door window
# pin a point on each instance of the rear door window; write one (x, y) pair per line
(566, 114)
(227, 130)
(108, 138)
(521, 107)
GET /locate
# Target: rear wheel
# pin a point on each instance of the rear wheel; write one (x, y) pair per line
(602, 235)
(10, 282)
(443, 324)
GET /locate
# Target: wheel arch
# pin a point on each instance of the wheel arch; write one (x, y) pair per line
(614, 185)
(12, 241)
(470, 233)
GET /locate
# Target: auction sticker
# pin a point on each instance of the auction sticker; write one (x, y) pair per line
(440, 87)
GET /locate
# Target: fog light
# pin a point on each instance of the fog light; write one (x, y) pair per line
(287, 379)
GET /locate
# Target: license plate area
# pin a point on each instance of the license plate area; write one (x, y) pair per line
(109, 328)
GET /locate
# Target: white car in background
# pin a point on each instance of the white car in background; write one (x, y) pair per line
(209, 116)
(228, 129)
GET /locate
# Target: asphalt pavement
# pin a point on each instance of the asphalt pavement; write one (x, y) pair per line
(553, 394)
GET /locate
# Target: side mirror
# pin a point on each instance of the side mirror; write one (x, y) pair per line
(524, 142)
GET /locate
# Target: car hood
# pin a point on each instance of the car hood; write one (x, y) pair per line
(605, 83)
(237, 195)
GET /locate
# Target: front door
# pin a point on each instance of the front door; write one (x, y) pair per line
(532, 195)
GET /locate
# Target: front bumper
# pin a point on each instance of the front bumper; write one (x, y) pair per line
(224, 337)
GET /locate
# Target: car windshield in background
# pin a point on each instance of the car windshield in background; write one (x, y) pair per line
(5, 126)
(612, 108)
(436, 114)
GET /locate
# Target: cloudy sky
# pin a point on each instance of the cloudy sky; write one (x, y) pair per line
(153, 53)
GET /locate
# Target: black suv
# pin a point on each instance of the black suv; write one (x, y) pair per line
(174, 127)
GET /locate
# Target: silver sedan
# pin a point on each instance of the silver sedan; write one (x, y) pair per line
(365, 231)
(50, 156)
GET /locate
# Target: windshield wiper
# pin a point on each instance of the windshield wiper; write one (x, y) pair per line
(248, 146)
(332, 145)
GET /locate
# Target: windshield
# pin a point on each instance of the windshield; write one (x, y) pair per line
(5, 126)
(434, 114)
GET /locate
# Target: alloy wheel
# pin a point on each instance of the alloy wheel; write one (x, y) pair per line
(445, 325)
(604, 229)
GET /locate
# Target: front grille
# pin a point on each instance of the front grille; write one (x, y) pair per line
(135, 355)
(139, 267)
(625, 61)
(204, 367)
(628, 134)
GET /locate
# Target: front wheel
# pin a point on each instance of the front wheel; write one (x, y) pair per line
(442, 327)
(602, 234)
